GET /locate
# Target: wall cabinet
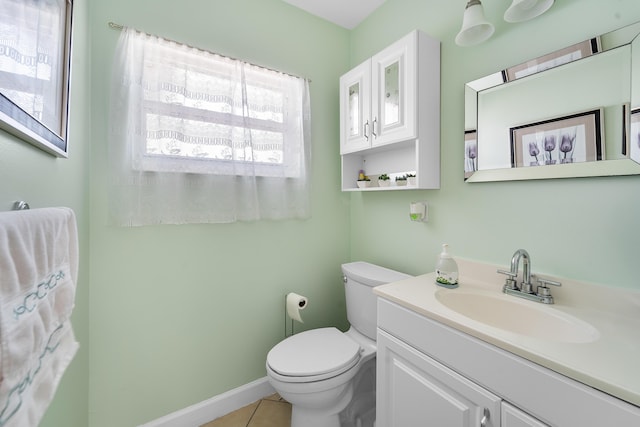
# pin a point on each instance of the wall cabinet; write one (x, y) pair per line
(379, 98)
(433, 375)
(390, 113)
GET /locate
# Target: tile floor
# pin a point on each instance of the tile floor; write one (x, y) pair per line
(272, 411)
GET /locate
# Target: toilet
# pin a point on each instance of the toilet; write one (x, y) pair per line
(328, 376)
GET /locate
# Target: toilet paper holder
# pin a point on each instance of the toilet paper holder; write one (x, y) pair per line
(293, 304)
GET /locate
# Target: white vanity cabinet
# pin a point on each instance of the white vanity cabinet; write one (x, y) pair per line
(415, 390)
(430, 374)
(390, 113)
(514, 417)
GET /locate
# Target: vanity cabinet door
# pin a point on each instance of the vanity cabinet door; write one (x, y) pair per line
(355, 109)
(514, 417)
(415, 390)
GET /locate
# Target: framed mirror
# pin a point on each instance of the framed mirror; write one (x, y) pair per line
(571, 113)
(35, 60)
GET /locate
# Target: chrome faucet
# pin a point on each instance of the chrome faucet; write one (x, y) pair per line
(542, 294)
(526, 269)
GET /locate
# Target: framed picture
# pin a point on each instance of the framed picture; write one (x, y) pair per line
(35, 61)
(470, 152)
(634, 135)
(570, 139)
(545, 62)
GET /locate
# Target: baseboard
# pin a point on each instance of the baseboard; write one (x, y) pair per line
(217, 406)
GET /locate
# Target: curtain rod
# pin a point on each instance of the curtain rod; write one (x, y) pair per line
(115, 26)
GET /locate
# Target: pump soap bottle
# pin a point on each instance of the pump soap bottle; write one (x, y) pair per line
(446, 269)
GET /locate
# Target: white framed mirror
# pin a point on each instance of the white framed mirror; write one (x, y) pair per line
(571, 113)
(35, 65)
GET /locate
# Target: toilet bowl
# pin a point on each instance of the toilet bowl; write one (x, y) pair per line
(329, 376)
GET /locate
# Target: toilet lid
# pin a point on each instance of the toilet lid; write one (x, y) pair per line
(314, 352)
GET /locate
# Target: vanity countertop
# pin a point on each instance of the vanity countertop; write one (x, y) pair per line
(609, 363)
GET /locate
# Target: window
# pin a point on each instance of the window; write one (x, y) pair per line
(210, 114)
(178, 110)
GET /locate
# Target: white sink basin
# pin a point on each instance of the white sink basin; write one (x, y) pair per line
(518, 316)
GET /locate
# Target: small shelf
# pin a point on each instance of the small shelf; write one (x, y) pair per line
(390, 188)
(394, 159)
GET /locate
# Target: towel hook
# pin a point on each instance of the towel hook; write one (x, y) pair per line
(20, 205)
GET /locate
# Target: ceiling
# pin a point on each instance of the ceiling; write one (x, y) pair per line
(346, 13)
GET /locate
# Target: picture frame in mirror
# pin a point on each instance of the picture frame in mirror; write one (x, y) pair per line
(570, 139)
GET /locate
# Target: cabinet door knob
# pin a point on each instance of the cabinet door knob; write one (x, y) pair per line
(485, 418)
(366, 128)
(373, 128)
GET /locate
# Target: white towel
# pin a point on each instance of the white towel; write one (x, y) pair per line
(38, 274)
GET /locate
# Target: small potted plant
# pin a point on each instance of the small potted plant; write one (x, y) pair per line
(401, 180)
(411, 179)
(383, 180)
(363, 182)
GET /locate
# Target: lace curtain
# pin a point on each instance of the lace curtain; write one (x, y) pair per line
(196, 137)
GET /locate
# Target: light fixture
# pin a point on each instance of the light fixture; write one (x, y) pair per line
(475, 28)
(523, 10)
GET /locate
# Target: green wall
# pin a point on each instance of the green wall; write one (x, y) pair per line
(178, 314)
(182, 313)
(27, 173)
(579, 228)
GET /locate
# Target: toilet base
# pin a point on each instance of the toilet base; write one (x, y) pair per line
(301, 417)
(361, 411)
(346, 400)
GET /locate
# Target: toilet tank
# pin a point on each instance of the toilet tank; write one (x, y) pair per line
(359, 280)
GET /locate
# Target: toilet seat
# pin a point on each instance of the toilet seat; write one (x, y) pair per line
(313, 355)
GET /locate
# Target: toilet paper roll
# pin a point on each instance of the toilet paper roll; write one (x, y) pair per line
(295, 304)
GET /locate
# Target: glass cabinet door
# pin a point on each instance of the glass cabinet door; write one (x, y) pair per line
(355, 109)
(394, 97)
(391, 101)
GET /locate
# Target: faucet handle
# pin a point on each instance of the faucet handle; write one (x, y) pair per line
(510, 282)
(543, 290)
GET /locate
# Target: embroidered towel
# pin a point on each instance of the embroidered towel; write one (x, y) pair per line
(38, 273)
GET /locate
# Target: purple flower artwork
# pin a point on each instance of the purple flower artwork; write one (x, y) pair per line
(549, 147)
(634, 146)
(534, 150)
(575, 138)
(470, 153)
(565, 145)
(472, 157)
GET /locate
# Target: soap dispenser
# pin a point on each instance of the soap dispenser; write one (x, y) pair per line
(446, 269)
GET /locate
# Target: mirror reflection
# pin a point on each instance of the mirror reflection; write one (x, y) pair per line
(391, 94)
(354, 109)
(633, 142)
(572, 113)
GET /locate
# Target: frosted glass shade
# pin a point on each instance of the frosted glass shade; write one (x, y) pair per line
(475, 28)
(523, 10)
